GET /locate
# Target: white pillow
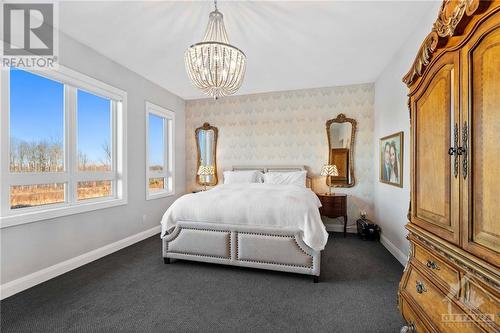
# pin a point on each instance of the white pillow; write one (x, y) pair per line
(297, 178)
(239, 177)
(259, 176)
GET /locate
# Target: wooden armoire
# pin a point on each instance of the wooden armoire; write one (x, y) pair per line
(451, 282)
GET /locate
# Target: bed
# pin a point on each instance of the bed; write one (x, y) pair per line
(274, 227)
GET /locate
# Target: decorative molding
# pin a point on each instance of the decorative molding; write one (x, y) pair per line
(450, 16)
(13, 287)
(467, 268)
(423, 58)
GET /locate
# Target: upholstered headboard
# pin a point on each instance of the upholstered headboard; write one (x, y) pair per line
(271, 168)
(275, 168)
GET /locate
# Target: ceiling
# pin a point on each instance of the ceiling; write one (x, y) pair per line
(289, 45)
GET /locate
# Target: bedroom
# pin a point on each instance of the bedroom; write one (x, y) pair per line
(244, 166)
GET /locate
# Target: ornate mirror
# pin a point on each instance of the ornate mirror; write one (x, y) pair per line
(341, 132)
(206, 144)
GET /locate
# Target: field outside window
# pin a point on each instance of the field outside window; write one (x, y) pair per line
(63, 145)
(160, 151)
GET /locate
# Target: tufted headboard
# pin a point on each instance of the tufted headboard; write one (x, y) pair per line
(275, 168)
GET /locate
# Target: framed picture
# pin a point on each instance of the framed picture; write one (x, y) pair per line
(391, 159)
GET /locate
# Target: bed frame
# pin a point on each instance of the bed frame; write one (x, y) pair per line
(279, 249)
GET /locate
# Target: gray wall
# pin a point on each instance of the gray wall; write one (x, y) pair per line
(31, 247)
(391, 116)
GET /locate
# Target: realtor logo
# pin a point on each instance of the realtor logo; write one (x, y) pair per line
(27, 29)
(29, 35)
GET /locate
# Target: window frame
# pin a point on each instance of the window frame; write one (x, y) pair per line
(70, 176)
(168, 151)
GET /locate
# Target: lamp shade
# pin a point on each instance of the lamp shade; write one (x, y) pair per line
(329, 170)
(206, 170)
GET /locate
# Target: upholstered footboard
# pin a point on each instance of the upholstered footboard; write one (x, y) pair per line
(238, 245)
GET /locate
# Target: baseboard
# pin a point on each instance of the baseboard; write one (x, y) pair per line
(28, 281)
(340, 228)
(397, 253)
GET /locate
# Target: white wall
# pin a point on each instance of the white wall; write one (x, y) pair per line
(32, 247)
(288, 127)
(391, 116)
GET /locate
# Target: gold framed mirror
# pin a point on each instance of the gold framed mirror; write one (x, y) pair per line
(206, 147)
(341, 133)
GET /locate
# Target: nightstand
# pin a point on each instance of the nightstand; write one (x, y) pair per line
(333, 206)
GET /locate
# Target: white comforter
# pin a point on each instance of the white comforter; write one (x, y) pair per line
(253, 204)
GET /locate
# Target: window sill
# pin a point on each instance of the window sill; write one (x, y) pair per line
(50, 213)
(159, 195)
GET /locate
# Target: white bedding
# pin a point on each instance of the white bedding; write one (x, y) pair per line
(253, 204)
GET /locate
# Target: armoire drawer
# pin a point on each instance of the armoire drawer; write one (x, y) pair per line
(480, 298)
(442, 311)
(413, 321)
(435, 266)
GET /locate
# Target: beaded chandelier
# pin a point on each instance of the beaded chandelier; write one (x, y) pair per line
(213, 65)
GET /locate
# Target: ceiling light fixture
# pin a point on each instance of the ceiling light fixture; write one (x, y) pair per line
(213, 65)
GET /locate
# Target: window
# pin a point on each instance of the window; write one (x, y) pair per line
(94, 132)
(159, 151)
(62, 145)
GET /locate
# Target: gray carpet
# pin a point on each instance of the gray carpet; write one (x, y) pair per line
(133, 291)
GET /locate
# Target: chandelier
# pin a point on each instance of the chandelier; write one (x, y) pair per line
(213, 65)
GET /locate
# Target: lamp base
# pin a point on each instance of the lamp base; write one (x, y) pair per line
(330, 191)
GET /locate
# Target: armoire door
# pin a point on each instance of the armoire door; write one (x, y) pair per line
(481, 121)
(435, 129)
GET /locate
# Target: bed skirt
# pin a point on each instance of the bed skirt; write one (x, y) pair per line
(240, 245)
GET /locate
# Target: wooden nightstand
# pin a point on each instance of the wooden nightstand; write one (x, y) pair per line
(334, 206)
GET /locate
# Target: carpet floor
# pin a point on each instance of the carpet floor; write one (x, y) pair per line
(133, 291)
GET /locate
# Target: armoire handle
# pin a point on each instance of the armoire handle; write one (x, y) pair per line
(432, 265)
(455, 151)
(410, 328)
(464, 150)
(420, 287)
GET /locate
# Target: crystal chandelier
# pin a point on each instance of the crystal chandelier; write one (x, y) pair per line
(213, 65)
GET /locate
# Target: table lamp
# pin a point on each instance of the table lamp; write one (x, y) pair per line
(206, 170)
(329, 170)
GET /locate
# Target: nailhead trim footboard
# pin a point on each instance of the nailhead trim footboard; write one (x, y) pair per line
(234, 258)
(274, 263)
(200, 254)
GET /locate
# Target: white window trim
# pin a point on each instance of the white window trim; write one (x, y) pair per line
(169, 151)
(73, 80)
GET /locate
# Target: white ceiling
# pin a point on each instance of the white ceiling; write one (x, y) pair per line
(289, 45)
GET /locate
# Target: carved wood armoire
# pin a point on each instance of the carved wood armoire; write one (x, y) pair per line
(451, 282)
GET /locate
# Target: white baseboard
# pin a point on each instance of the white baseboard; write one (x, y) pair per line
(397, 253)
(28, 281)
(340, 228)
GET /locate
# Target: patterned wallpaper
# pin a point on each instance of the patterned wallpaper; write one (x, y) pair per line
(288, 128)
